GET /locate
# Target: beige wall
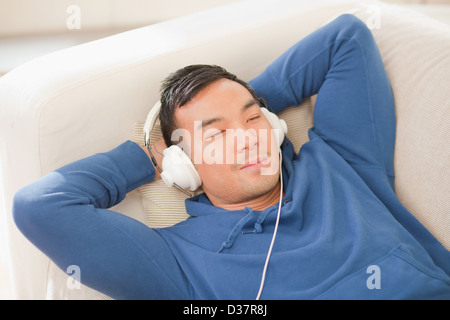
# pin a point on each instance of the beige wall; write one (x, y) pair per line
(419, 1)
(29, 17)
(25, 17)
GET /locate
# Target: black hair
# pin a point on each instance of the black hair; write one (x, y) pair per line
(181, 86)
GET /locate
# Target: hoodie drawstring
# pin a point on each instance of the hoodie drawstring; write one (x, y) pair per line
(238, 227)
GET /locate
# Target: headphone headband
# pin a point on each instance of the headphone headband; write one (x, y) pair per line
(150, 122)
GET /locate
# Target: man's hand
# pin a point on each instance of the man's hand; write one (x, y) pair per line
(157, 149)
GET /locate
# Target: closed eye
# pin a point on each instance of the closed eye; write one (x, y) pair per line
(217, 133)
(253, 118)
(214, 134)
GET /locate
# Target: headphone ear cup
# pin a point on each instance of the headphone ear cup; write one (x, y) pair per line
(278, 124)
(178, 169)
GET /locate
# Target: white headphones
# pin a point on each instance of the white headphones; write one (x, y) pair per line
(177, 168)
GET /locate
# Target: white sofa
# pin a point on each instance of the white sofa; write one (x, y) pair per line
(90, 98)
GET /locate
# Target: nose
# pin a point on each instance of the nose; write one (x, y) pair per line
(247, 140)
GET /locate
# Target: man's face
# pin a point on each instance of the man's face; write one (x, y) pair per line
(230, 142)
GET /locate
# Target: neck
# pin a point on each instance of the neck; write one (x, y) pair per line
(258, 204)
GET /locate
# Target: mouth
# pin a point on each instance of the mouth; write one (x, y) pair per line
(254, 164)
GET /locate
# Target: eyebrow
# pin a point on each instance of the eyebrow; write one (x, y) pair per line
(210, 121)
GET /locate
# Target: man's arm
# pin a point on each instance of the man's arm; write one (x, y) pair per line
(65, 215)
(354, 111)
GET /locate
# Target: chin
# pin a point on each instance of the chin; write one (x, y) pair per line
(259, 187)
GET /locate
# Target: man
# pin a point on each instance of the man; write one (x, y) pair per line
(342, 232)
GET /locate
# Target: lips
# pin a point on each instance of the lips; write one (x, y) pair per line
(254, 164)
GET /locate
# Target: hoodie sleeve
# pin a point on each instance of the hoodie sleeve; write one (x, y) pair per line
(65, 215)
(354, 111)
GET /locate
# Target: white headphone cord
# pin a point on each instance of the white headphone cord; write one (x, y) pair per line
(263, 278)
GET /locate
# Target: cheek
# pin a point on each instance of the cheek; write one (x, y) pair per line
(215, 177)
(214, 152)
(210, 172)
(216, 174)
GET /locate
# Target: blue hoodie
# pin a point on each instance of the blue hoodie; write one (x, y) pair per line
(343, 233)
(334, 231)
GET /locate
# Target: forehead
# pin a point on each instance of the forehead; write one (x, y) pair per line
(220, 98)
